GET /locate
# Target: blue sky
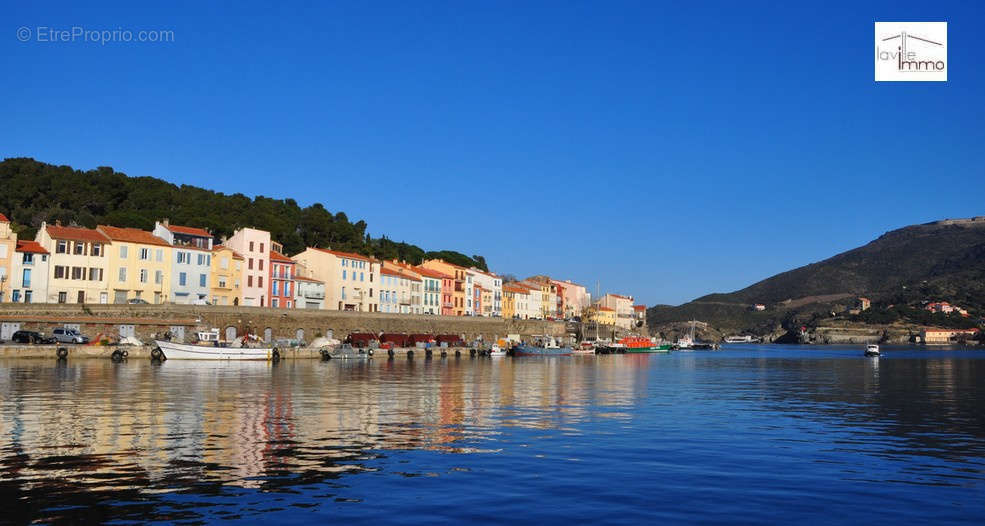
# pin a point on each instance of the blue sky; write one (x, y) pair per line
(666, 150)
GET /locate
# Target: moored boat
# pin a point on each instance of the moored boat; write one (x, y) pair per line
(636, 344)
(872, 350)
(346, 352)
(542, 346)
(168, 350)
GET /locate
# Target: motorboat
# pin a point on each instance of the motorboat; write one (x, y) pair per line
(872, 350)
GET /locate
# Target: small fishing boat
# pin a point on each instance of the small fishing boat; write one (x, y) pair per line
(496, 350)
(210, 350)
(872, 350)
(584, 348)
(542, 346)
(346, 352)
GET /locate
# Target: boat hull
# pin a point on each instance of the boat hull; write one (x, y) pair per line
(654, 349)
(540, 351)
(184, 351)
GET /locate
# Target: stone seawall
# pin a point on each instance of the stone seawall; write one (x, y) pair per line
(149, 321)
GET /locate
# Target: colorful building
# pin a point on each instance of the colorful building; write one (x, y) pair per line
(226, 276)
(191, 262)
(254, 246)
(8, 247)
(351, 280)
(515, 298)
(138, 265)
(78, 262)
(282, 285)
(432, 295)
(494, 284)
(604, 315)
(28, 280)
(575, 298)
(456, 286)
(623, 307)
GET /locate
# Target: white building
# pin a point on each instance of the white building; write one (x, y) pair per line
(309, 293)
(430, 289)
(623, 306)
(350, 279)
(191, 262)
(491, 282)
(29, 279)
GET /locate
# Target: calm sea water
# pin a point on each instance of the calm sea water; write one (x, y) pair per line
(750, 434)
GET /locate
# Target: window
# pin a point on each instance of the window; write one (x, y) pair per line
(159, 255)
(222, 283)
(260, 281)
(362, 276)
(80, 248)
(203, 280)
(249, 281)
(261, 250)
(182, 279)
(158, 277)
(123, 251)
(62, 297)
(251, 246)
(343, 274)
(287, 290)
(143, 275)
(274, 303)
(287, 272)
(95, 274)
(201, 259)
(259, 264)
(144, 254)
(97, 249)
(224, 263)
(78, 273)
(123, 274)
(275, 288)
(343, 292)
(59, 272)
(61, 248)
(370, 293)
(26, 278)
(27, 296)
(288, 304)
(28, 257)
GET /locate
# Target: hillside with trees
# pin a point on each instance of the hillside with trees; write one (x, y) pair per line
(940, 261)
(32, 192)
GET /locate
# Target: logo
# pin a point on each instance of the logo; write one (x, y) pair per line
(911, 51)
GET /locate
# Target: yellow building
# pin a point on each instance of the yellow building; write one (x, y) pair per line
(8, 245)
(604, 315)
(77, 272)
(138, 265)
(226, 276)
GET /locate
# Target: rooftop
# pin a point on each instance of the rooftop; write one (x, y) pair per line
(431, 273)
(224, 247)
(131, 235)
(188, 230)
(3, 219)
(277, 256)
(30, 246)
(348, 255)
(75, 233)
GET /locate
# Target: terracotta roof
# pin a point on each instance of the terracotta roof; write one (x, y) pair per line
(639, 307)
(224, 247)
(513, 288)
(397, 272)
(188, 230)
(432, 273)
(302, 278)
(606, 309)
(75, 233)
(3, 219)
(31, 246)
(131, 235)
(277, 256)
(348, 255)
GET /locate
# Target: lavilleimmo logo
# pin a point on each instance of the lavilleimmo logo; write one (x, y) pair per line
(911, 51)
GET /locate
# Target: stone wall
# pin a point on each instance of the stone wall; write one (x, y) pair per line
(150, 321)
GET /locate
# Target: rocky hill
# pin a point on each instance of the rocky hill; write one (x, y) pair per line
(943, 260)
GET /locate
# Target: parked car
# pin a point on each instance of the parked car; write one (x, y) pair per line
(69, 336)
(137, 301)
(30, 337)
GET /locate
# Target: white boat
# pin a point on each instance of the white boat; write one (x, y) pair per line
(346, 352)
(496, 350)
(872, 350)
(212, 351)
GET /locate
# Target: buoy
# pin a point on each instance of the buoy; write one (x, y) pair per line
(62, 352)
(156, 354)
(126, 353)
(471, 352)
(458, 353)
(275, 354)
(410, 354)
(325, 354)
(427, 353)
(389, 353)
(444, 353)
(369, 352)
(117, 356)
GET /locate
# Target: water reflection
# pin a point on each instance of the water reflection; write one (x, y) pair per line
(93, 440)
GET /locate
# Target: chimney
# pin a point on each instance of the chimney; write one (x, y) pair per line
(166, 222)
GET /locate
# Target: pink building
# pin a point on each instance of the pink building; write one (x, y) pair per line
(281, 279)
(254, 246)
